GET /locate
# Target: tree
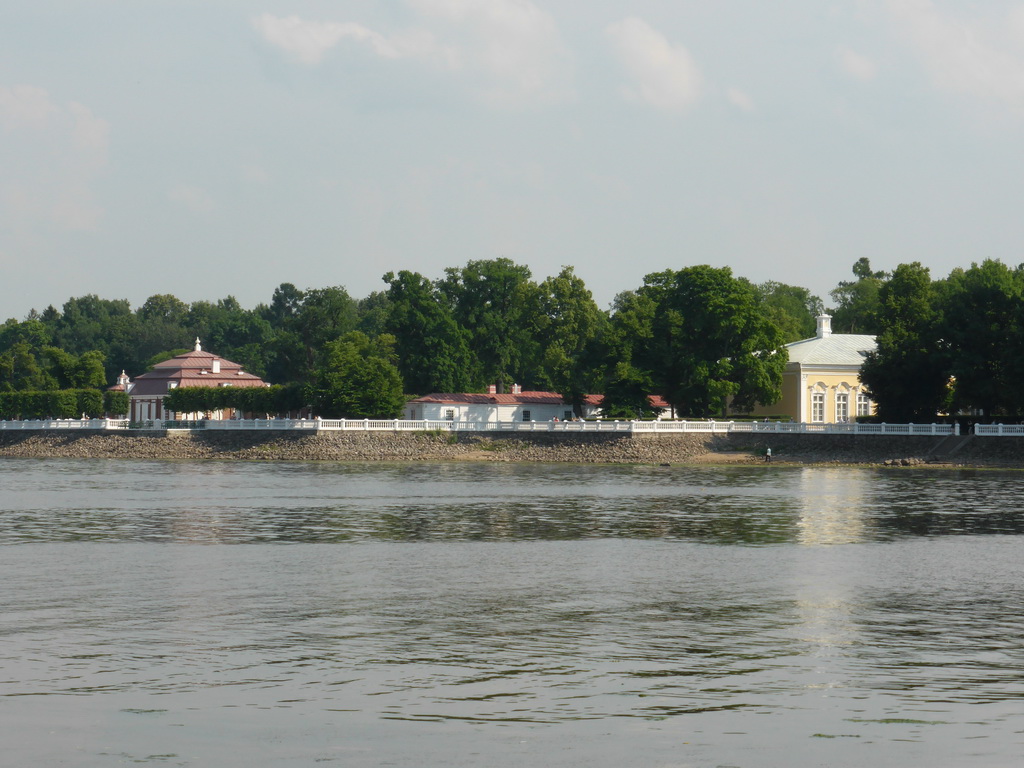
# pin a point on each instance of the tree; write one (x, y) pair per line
(83, 371)
(20, 369)
(492, 300)
(908, 373)
(626, 392)
(356, 379)
(703, 338)
(793, 309)
(718, 343)
(90, 323)
(432, 349)
(373, 313)
(858, 300)
(982, 326)
(567, 325)
(163, 308)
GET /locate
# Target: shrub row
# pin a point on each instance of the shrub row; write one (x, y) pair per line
(276, 399)
(62, 404)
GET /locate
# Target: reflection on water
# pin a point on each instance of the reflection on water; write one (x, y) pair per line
(210, 502)
(509, 615)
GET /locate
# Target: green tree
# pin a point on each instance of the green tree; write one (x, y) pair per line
(908, 373)
(356, 378)
(568, 325)
(20, 370)
(857, 301)
(983, 327)
(793, 309)
(492, 300)
(433, 350)
(700, 338)
(373, 313)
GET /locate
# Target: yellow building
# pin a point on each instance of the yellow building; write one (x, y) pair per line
(821, 383)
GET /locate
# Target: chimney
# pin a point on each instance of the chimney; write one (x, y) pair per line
(824, 326)
(492, 389)
(517, 389)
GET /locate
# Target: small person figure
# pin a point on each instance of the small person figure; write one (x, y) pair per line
(768, 455)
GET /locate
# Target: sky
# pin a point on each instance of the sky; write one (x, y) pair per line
(208, 148)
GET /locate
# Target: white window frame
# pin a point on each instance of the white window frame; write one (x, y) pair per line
(842, 407)
(863, 404)
(817, 407)
(526, 415)
(449, 414)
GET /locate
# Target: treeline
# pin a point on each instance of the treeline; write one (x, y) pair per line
(487, 322)
(953, 345)
(698, 336)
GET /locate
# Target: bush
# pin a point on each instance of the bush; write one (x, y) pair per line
(52, 404)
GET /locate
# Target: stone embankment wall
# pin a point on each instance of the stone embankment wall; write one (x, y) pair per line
(576, 448)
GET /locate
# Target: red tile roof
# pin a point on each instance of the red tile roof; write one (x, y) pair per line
(523, 398)
(193, 369)
(656, 401)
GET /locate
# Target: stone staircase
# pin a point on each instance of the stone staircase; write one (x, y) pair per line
(944, 450)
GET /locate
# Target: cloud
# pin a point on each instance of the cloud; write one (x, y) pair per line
(855, 65)
(52, 156)
(514, 45)
(192, 198)
(740, 100)
(508, 51)
(664, 75)
(981, 57)
(308, 41)
(25, 106)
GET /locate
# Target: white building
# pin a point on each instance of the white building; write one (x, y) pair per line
(490, 407)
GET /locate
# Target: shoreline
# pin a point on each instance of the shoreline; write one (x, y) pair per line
(599, 448)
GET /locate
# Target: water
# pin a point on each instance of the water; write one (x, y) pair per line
(231, 614)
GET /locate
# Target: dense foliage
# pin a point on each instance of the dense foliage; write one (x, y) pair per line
(62, 404)
(256, 402)
(697, 336)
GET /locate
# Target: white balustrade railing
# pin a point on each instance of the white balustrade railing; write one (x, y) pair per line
(94, 424)
(999, 430)
(405, 425)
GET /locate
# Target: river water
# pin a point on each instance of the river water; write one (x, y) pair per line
(240, 614)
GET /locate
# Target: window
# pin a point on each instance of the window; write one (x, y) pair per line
(818, 407)
(526, 415)
(842, 407)
(863, 404)
(567, 416)
(450, 414)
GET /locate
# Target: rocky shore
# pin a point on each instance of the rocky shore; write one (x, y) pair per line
(607, 448)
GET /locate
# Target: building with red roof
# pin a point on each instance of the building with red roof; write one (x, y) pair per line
(192, 369)
(518, 405)
(489, 407)
(593, 406)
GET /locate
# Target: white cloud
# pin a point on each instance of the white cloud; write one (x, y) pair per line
(855, 65)
(513, 44)
(25, 106)
(309, 41)
(510, 51)
(52, 155)
(665, 75)
(982, 57)
(740, 100)
(192, 198)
